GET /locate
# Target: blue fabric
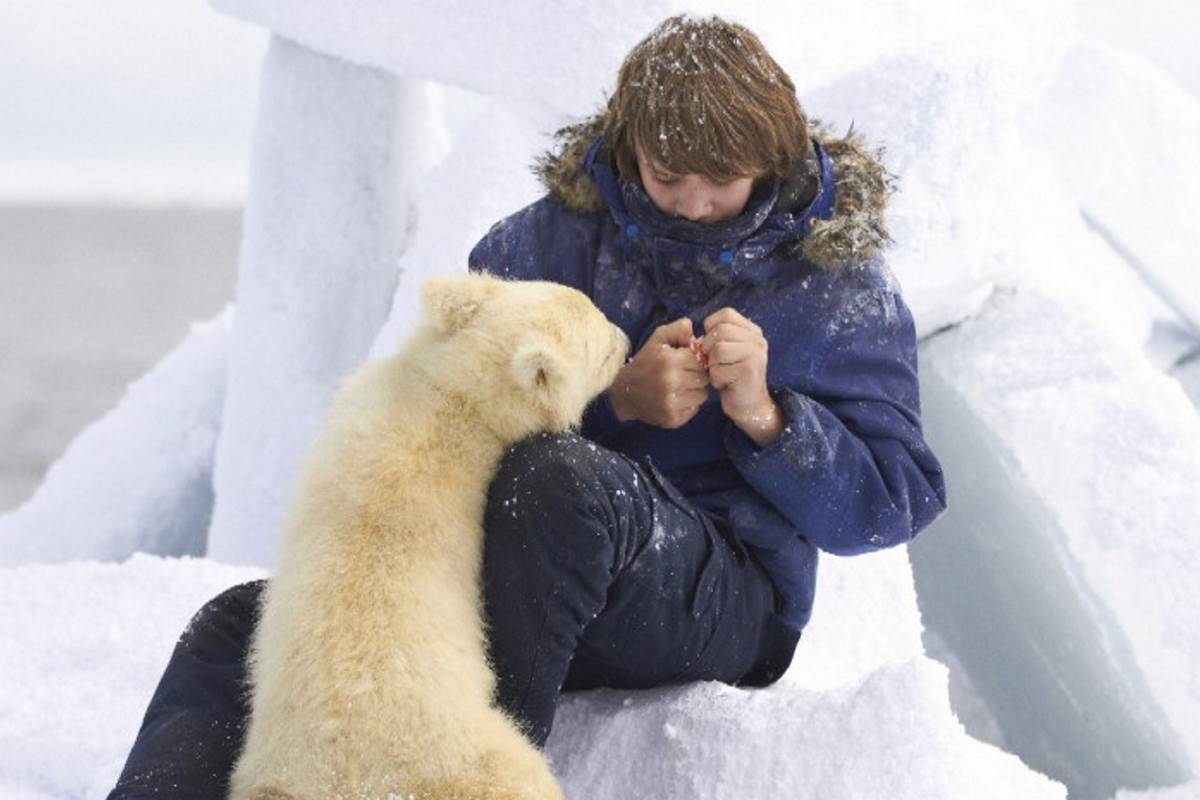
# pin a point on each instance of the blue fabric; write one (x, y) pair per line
(850, 472)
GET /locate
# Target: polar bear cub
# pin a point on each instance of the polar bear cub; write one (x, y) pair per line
(368, 668)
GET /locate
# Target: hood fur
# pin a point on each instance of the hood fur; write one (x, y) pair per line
(856, 232)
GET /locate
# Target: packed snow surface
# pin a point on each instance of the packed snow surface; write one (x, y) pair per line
(82, 646)
(890, 735)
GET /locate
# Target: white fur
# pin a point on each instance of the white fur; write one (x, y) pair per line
(369, 668)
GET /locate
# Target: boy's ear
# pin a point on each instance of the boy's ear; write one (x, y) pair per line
(452, 301)
(539, 370)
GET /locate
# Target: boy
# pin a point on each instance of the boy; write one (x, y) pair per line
(676, 538)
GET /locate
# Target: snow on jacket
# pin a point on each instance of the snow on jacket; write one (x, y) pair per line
(850, 472)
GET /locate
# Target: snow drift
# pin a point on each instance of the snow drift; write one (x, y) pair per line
(1055, 577)
(140, 477)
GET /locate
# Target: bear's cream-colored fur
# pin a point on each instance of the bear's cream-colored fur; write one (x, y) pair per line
(368, 669)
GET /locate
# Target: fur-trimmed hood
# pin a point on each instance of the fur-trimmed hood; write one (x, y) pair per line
(855, 231)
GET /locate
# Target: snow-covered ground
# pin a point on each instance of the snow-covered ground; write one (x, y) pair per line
(1044, 240)
(83, 647)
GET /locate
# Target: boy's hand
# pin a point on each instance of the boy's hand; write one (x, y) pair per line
(737, 369)
(663, 385)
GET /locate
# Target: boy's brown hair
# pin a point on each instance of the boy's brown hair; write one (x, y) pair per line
(704, 96)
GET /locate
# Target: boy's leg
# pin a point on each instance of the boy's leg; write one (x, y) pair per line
(597, 572)
(194, 725)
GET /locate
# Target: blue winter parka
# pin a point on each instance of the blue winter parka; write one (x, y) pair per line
(850, 472)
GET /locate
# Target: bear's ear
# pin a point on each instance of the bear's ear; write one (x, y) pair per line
(539, 370)
(452, 301)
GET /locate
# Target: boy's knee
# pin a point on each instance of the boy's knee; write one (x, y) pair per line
(542, 451)
(559, 485)
(548, 459)
(233, 609)
(551, 474)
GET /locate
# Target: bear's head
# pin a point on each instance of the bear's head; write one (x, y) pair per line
(530, 355)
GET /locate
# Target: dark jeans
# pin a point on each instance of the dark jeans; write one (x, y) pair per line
(597, 572)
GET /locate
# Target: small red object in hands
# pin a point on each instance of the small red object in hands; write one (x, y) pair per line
(701, 356)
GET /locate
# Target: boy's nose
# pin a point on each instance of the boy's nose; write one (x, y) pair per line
(693, 207)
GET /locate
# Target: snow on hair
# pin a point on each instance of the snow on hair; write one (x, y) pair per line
(702, 95)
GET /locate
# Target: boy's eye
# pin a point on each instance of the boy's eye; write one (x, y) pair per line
(664, 178)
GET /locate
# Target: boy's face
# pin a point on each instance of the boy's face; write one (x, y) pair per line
(692, 196)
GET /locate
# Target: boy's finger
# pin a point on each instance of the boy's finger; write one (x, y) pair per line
(724, 375)
(686, 361)
(719, 375)
(729, 316)
(727, 332)
(674, 334)
(728, 352)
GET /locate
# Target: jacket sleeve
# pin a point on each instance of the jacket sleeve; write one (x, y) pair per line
(543, 241)
(508, 249)
(850, 468)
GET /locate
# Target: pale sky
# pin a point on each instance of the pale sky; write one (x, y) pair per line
(117, 81)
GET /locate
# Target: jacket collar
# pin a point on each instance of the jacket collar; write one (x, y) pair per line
(844, 222)
(729, 250)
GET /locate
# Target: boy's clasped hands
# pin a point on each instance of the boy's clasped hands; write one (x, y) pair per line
(668, 380)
